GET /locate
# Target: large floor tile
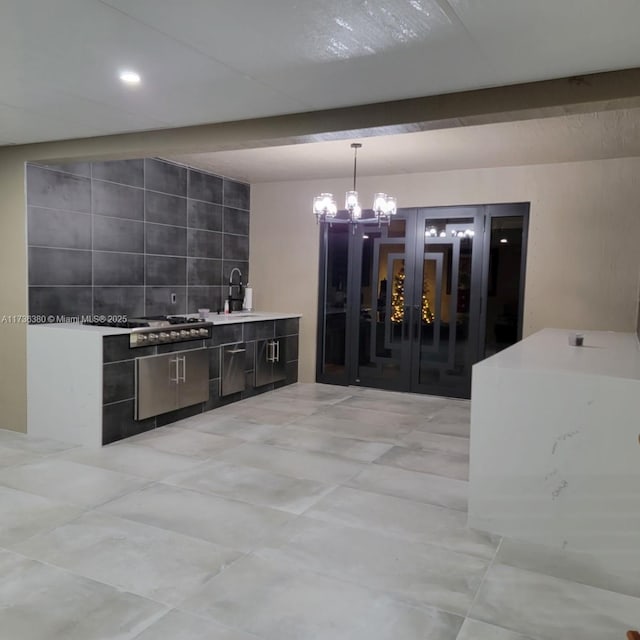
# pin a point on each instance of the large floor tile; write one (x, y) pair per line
(258, 413)
(403, 519)
(298, 437)
(69, 481)
(11, 457)
(40, 602)
(291, 405)
(226, 522)
(417, 439)
(230, 426)
(413, 485)
(404, 404)
(148, 561)
(297, 464)
(23, 515)
(324, 393)
(134, 460)
(24, 442)
(185, 442)
(281, 602)
(354, 427)
(377, 416)
(253, 485)
(434, 462)
(177, 625)
(549, 608)
(416, 573)
(453, 420)
(475, 630)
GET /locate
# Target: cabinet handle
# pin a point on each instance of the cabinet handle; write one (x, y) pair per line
(184, 369)
(276, 357)
(175, 361)
(271, 351)
(236, 351)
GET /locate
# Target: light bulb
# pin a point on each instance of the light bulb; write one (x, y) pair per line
(356, 212)
(380, 203)
(443, 234)
(392, 205)
(351, 200)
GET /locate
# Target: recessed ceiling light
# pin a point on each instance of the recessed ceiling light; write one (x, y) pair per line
(129, 77)
(503, 240)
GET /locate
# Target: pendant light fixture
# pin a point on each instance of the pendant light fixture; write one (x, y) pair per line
(326, 209)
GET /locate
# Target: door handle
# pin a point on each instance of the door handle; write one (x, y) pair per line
(418, 309)
(406, 322)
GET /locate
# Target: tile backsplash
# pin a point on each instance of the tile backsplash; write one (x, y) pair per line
(118, 238)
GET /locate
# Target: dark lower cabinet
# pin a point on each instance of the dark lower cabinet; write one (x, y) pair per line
(243, 360)
(271, 361)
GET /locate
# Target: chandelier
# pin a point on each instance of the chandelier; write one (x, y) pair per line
(326, 209)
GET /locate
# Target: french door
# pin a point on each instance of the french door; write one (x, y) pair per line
(404, 306)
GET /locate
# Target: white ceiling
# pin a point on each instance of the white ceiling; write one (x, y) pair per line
(217, 60)
(593, 136)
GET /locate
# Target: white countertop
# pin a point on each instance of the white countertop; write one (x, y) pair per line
(214, 318)
(605, 353)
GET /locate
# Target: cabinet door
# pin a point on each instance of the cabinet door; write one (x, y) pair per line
(157, 385)
(193, 376)
(232, 377)
(264, 362)
(279, 369)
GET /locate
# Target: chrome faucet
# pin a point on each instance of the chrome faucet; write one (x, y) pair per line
(240, 297)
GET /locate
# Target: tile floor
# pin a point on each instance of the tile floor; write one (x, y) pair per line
(309, 513)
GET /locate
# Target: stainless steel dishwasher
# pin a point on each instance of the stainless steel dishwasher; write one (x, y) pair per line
(171, 381)
(232, 365)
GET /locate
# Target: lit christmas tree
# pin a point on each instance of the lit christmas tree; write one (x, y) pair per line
(397, 300)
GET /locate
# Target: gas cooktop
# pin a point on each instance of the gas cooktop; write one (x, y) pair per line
(149, 330)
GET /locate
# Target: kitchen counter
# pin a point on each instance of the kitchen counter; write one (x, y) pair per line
(554, 444)
(82, 384)
(239, 317)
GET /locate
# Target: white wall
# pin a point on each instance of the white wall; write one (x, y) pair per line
(583, 258)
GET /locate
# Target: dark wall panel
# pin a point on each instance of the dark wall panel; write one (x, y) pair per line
(119, 237)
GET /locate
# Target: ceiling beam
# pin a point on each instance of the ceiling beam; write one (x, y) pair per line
(544, 99)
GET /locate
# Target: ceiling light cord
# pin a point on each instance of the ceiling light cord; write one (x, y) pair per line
(355, 146)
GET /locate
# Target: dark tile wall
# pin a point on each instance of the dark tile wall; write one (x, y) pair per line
(118, 394)
(118, 238)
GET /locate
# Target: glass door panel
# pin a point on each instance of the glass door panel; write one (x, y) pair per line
(503, 315)
(333, 308)
(383, 312)
(444, 326)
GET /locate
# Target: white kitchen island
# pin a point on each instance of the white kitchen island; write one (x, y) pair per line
(555, 455)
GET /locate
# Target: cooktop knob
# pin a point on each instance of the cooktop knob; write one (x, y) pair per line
(174, 334)
(184, 333)
(164, 335)
(194, 332)
(204, 332)
(152, 337)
